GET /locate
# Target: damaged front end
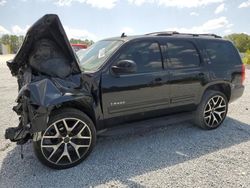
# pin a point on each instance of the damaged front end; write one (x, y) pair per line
(31, 118)
(48, 74)
(37, 99)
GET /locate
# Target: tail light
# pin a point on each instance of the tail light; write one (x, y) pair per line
(243, 74)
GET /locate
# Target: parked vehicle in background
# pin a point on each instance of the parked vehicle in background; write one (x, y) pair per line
(77, 47)
(64, 100)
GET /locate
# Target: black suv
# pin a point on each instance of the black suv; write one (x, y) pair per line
(65, 98)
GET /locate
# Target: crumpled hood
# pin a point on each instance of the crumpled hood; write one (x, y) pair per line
(46, 50)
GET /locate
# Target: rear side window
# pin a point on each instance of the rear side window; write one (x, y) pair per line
(182, 54)
(221, 52)
(146, 55)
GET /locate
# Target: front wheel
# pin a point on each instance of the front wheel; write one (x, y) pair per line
(212, 110)
(67, 141)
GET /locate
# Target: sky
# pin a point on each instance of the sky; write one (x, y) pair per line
(98, 19)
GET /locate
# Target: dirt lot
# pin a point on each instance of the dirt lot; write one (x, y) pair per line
(163, 153)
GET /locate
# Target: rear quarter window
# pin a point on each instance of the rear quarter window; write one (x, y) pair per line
(221, 52)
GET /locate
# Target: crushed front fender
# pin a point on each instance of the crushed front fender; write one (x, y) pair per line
(37, 99)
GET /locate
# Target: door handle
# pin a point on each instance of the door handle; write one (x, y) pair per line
(201, 75)
(155, 81)
(158, 80)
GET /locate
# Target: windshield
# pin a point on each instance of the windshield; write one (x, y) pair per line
(93, 57)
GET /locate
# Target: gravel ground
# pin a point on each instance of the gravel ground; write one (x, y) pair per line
(167, 152)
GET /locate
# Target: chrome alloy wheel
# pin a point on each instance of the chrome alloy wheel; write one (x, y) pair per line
(66, 141)
(215, 111)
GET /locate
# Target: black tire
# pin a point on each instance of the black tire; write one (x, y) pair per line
(203, 117)
(73, 143)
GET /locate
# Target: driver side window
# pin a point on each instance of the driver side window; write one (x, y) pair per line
(146, 55)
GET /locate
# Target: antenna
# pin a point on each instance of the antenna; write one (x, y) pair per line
(123, 35)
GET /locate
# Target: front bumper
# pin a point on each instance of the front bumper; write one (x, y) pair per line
(32, 120)
(17, 134)
(37, 99)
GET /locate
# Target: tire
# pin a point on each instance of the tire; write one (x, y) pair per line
(212, 110)
(68, 139)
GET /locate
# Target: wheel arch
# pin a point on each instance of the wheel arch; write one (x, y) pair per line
(79, 105)
(224, 87)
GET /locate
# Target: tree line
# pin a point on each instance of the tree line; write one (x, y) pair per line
(79, 41)
(14, 42)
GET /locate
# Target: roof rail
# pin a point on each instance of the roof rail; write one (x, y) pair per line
(163, 33)
(210, 35)
(170, 33)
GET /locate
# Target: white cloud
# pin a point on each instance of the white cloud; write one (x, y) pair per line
(140, 2)
(176, 3)
(3, 30)
(63, 2)
(107, 4)
(17, 30)
(194, 14)
(207, 27)
(79, 34)
(229, 25)
(245, 4)
(127, 30)
(2, 2)
(215, 23)
(228, 31)
(245, 32)
(71, 32)
(220, 8)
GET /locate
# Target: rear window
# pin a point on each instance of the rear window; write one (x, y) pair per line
(182, 54)
(221, 52)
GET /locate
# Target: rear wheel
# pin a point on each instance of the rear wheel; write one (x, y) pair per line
(67, 141)
(212, 110)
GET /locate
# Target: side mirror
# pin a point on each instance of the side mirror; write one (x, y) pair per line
(124, 67)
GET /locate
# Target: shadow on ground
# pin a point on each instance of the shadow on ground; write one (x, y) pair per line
(125, 153)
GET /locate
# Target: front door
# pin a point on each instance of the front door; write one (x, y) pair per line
(145, 90)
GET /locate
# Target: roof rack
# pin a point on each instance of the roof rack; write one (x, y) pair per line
(162, 33)
(170, 33)
(210, 35)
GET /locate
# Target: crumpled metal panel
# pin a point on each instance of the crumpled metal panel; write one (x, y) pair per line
(47, 28)
(48, 59)
(48, 92)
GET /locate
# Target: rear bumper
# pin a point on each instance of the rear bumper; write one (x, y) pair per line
(236, 93)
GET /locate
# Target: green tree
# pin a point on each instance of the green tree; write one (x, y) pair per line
(89, 42)
(5, 39)
(241, 41)
(246, 58)
(14, 43)
(79, 41)
(19, 42)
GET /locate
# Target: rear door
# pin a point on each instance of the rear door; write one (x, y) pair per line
(140, 92)
(186, 72)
